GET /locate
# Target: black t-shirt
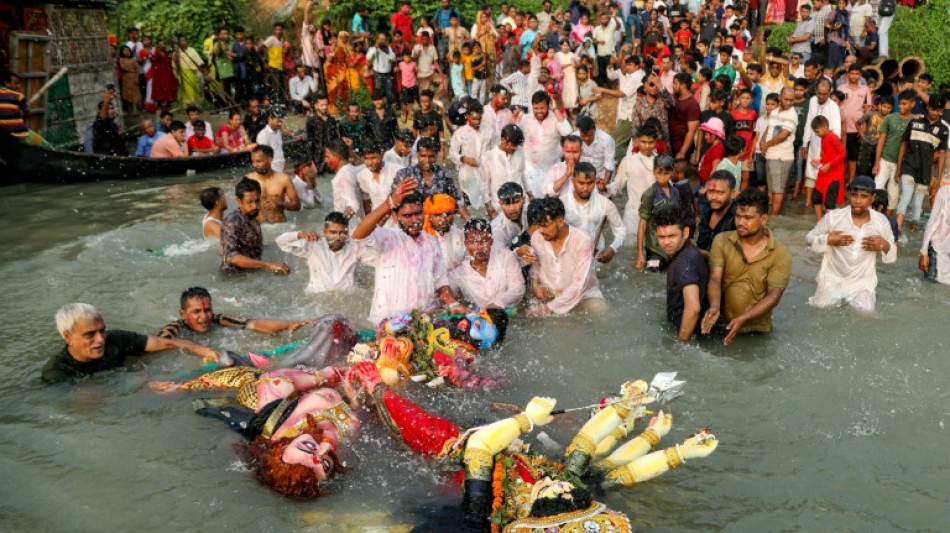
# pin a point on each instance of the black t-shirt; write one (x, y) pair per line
(253, 127)
(706, 234)
(687, 267)
(707, 29)
(119, 345)
(106, 138)
(923, 139)
(433, 116)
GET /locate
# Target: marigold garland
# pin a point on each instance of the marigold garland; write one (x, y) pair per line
(498, 492)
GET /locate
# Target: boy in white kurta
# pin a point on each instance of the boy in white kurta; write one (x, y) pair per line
(502, 164)
(331, 258)
(850, 239)
(635, 174)
(491, 276)
(465, 151)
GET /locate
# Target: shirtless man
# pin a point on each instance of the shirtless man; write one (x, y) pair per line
(278, 191)
(216, 203)
(197, 315)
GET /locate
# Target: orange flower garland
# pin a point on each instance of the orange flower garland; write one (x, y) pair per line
(498, 492)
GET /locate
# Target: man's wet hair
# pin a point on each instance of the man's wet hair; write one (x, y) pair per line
(405, 136)
(585, 169)
(545, 209)
(724, 176)
(510, 192)
(194, 292)
(540, 97)
(372, 147)
(263, 149)
(668, 215)
(338, 147)
(585, 124)
(414, 198)
(210, 196)
(753, 197)
(474, 106)
(428, 143)
(477, 224)
(513, 134)
(336, 217)
(246, 185)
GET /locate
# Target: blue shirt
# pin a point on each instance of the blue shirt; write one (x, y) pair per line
(441, 17)
(360, 25)
(756, 98)
(144, 148)
(634, 26)
(527, 37)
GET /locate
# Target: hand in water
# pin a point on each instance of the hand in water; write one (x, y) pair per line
(838, 238)
(163, 386)
(709, 320)
(734, 326)
(641, 262)
(280, 268)
(606, 255)
(924, 263)
(299, 324)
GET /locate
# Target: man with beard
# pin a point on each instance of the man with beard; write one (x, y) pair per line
(409, 267)
(721, 215)
(850, 239)
(502, 164)
(598, 148)
(347, 198)
(557, 181)
(497, 115)
(686, 275)
(197, 315)
(820, 104)
(562, 271)
(590, 211)
(332, 259)
(512, 221)
(277, 188)
(440, 218)
(492, 275)
(242, 243)
(429, 177)
(748, 270)
(543, 130)
(684, 116)
(375, 179)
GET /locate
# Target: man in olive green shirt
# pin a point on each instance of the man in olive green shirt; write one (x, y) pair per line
(90, 348)
(748, 270)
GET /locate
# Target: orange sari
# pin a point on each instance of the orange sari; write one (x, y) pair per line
(335, 70)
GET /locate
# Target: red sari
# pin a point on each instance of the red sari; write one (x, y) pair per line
(164, 84)
(335, 70)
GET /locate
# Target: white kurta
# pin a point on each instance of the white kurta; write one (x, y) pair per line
(309, 198)
(588, 217)
(504, 231)
(346, 192)
(553, 174)
(377, 191)
(453, 247)
(832, 112)
(628, 84)
(501, 286)
(599, 153)
(569, 274)
(275, 140)
(494, 121)
(467, 142)
(937, 233)
(408, 272)
(635, 174)
(848, 273)
(542, 147)
(329, 271)
(498, 168)
(396, 160)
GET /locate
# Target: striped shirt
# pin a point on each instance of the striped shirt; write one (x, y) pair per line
(13, 110)
(923, 139)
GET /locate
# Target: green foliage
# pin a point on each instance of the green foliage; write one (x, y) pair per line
(922, 32)
(361, 96)
(195, 19)
(780, 33)
(341, 12)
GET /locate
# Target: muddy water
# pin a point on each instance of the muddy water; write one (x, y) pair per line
(835, 422)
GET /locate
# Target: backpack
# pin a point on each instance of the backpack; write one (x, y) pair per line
(887, 8)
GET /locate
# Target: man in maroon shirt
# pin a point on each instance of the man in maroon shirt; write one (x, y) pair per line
(684, 116)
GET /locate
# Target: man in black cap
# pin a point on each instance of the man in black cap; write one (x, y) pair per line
(850, 239)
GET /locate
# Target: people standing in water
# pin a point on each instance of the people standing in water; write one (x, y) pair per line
(687, 275)
(278, 193)
(91, 348)
(242, 243)
(331, 257)
(196, 315)
(213, 200)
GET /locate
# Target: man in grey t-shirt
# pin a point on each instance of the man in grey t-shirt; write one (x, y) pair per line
(800, 41)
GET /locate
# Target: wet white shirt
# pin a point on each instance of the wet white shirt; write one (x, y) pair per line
(452, 245)
(408, 272)
(377, 191)
(553, 174)
(599, 153)
(542, 147)
(569, 274)
(498, 168)
(635, 174)
(396, 160)
(494, 121)
(848, 273)
(468, 142)
(275, 140)
(937, 233)
(628, 84)
(329, 271)
(588, 217)
(346, 192)
(501, 286)
(309, 198)
(504, 231)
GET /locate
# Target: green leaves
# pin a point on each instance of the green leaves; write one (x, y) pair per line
(922, 32)
(195, 19)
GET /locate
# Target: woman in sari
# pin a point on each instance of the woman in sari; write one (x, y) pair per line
(335, 71)
(484, 33)
(232, 137)
(355, 65)
(775, 14)
(187, 64)
(568, 62)
(129, 69)
(164, 85)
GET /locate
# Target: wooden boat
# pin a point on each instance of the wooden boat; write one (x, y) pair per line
(21, 162)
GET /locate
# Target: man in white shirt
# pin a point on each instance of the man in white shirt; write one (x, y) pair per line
(598, 148)
(427, 59)
(778, 147)
(382, 58)
(502, 164)
(347, 198)
(375, 179)
(512, 220)
(629, 81)
(272, 135)
(491, 276)
(562, 271)
(409, 267)
(557, 180)
(850, 239)
(543, 129)
(589, 211)
(304, 180)
(332, 260)
(820, 104)
(496, 114)
(440, 212)
(301, 87)
(935, 248)
(400, 155)
(635, 174)
(468, 145)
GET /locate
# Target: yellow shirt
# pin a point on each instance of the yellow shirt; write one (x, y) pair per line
(468, 72)
(745, 283)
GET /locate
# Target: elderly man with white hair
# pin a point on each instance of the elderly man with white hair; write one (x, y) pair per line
(90, 348)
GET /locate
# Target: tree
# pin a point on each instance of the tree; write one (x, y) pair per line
(195, 19)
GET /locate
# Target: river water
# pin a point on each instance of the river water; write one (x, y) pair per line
(834, 422)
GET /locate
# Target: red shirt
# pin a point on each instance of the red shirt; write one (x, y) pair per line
(832, 153)
(713, 155)
(684, 37)
(402, 23)
(194, 143)
(745, 128)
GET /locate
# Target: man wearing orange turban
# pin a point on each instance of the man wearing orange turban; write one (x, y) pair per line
(440, 215)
